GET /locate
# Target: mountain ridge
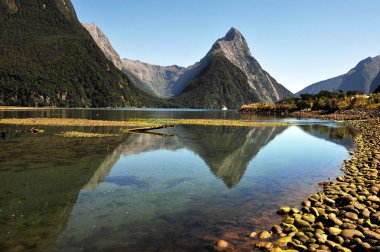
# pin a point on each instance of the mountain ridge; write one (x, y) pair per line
(359, 78)
(172, 82)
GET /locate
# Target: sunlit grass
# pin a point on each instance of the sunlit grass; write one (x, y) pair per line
(218, 122)
(75, 134)
(144, 123)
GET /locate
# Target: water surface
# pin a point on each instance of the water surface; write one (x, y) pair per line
(140, 192)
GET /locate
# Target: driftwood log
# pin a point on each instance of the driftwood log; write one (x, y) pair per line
(148, 129)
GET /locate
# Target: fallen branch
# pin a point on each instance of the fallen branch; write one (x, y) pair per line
(140, 130)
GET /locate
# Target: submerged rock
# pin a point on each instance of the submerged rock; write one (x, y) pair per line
(283, 210)
(265, 235)
(222, 244)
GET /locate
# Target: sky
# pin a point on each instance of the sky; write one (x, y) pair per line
(299, 42)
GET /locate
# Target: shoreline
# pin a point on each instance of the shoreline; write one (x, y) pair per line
(345, 214)
(15, 108)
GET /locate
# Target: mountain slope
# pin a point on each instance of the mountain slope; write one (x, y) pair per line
(220, 84)
(375, 85)
(200, 85)
(377, 90)
(229, 76)
(104, 44)
(48, 58)
(358, 78)
(329, 85)
(156, 80)
(235, 48)
(361, 77)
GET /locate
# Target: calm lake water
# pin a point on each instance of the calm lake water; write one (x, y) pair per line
(142, 192)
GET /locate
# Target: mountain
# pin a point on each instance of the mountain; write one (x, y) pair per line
(156, 80)
(104, 44)
(358, 78)
(48, 58)
(377, 90)
(361, 77)
(230, 76)
(227, 76)
(375, 85)
(328, 85)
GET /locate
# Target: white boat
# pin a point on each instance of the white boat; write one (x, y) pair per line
(224, 108)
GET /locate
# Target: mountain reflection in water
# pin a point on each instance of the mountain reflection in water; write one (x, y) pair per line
(41, 176)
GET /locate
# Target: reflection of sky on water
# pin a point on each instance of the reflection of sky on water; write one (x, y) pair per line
(143, 189)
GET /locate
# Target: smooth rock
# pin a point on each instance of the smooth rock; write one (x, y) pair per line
(265, 235)
(351, 216)
(351, 233)
(309, 218)
(301, 223)
(334, 231)
(264, 245)
(222, 244)
(253, 234)
(283, 210)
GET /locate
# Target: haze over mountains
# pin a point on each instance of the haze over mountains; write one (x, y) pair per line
(227, 76)
(360, 78)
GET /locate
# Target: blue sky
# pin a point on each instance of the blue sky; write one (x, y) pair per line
(298, 42)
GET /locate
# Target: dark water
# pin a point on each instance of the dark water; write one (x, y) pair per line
(141, 192)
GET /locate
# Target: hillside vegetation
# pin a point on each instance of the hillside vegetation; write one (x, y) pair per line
(323, 101)
(48, 59)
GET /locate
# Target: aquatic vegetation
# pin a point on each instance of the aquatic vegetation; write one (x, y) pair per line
(218, 122)
(76, 122)
(138, 122)
(75, 134)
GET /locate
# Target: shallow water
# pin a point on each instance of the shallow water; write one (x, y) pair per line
(142, 192)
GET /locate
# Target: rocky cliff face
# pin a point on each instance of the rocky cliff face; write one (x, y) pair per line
(104, 44)
(358, 78)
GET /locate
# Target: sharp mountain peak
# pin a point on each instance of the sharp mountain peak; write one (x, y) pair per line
(233, 34)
